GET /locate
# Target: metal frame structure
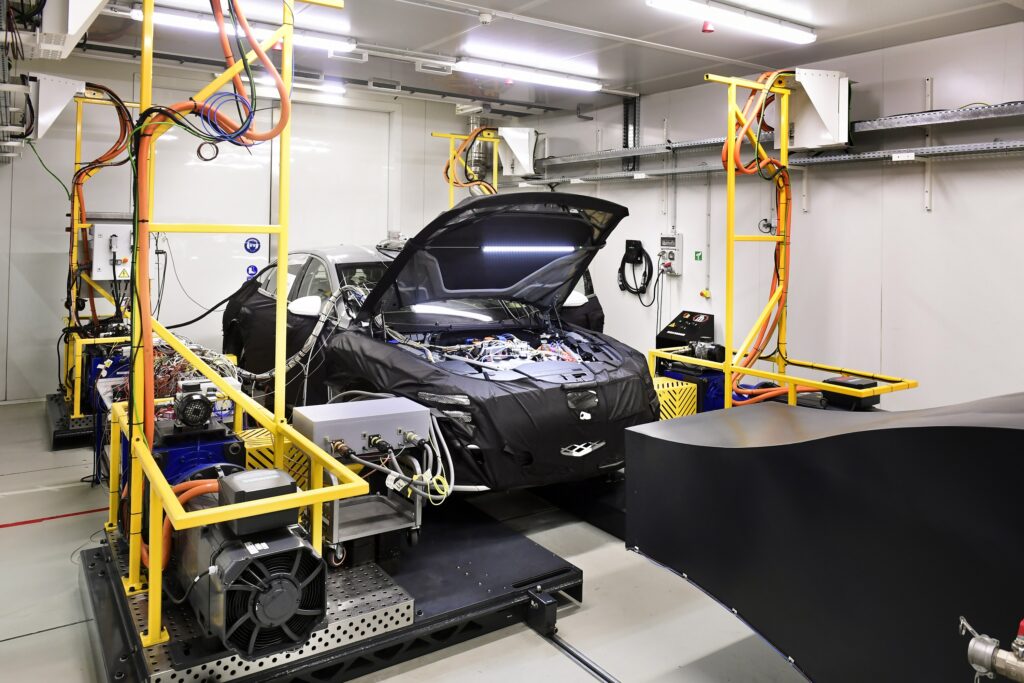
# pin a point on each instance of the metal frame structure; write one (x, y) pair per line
(486, 136)
(731, 365)
(74, 344)
(128, 419)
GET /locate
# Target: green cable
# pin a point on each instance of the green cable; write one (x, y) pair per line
(55, 176)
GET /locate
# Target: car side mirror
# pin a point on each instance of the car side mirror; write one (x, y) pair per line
(575, 299)
(306, 306)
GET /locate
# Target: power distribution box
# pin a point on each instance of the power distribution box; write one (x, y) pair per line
(670, 251)
(111, 251)
(356, 422)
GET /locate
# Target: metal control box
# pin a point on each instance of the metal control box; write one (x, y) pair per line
(356, 422)
(670, 253)
(111, 251)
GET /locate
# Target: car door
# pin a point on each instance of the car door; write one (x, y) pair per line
(250, 332)
(306, 382)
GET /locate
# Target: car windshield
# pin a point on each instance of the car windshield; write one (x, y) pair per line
(364, 275)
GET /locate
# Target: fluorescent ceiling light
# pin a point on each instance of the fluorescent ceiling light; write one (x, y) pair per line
(542, 249)
(444, 310)
(526, 74)
(205, 23)
(497, 52)
(738, 18)
(332, 87)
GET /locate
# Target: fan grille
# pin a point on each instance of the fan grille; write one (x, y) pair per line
(193, 410)
(245, 632)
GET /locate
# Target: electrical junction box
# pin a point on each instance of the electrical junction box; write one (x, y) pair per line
(819, 110)
(356, 422)
(670, 251)
(111, 251)
(242, 487)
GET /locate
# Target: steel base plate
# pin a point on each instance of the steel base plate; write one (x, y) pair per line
(468, 575)
(362, 602)
(64, 429)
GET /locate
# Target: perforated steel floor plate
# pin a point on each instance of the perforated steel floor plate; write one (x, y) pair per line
(362, 602)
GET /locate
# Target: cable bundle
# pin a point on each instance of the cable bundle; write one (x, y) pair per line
(772, 170)
(451, 174)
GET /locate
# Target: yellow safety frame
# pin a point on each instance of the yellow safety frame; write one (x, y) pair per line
(74, 343)
(453, 138)
(730, 366)
(127, 419)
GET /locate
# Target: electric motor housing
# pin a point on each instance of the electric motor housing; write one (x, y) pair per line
(259, 593)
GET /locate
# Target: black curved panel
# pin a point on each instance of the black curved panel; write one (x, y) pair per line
(852, 542)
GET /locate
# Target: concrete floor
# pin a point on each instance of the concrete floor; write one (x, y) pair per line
(638, 621)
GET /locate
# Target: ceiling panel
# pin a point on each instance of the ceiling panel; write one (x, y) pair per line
(843, 28)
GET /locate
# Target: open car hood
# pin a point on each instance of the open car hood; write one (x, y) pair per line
(531, 247)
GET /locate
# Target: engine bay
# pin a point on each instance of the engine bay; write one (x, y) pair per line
(538, 354)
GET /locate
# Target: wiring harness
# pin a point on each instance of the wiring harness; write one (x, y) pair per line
(432, 479)
(773, 171)
(471, 181)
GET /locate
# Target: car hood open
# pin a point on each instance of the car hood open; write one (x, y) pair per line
(531, 247)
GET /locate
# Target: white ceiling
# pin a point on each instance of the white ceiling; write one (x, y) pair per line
(624, 43)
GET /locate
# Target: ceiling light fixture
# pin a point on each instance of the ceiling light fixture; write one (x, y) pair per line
(330, 87)
(741, 19)
(205, 23)
(521, 73)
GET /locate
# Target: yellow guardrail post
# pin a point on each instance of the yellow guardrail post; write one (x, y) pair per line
(316, 511)
(730, 242)
(134, 582)
(155, 632)
(115, 474)
(283, 212)
(780, 357)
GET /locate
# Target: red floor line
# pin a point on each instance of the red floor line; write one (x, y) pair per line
(47, 519)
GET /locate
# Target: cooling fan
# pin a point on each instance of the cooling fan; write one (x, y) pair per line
(274, 603)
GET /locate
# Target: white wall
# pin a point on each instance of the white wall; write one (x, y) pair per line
(360, 166)
(878, 283)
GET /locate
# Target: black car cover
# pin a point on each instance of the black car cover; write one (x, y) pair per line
(519, 431)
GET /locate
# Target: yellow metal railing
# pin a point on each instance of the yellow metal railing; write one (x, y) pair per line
(453, 138)
(731, 366)
(128, 420)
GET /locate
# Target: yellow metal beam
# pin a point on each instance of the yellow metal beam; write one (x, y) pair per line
(730, 242)
(746, 83)
(897, 385)
(284, 202)
(183, 519)
(758, 238)
(848, 371)
(258, 412)
(98, 289)
(155, 632)
(85, 99)
(200, 228)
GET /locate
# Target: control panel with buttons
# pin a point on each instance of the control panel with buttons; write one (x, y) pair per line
(670, 253)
